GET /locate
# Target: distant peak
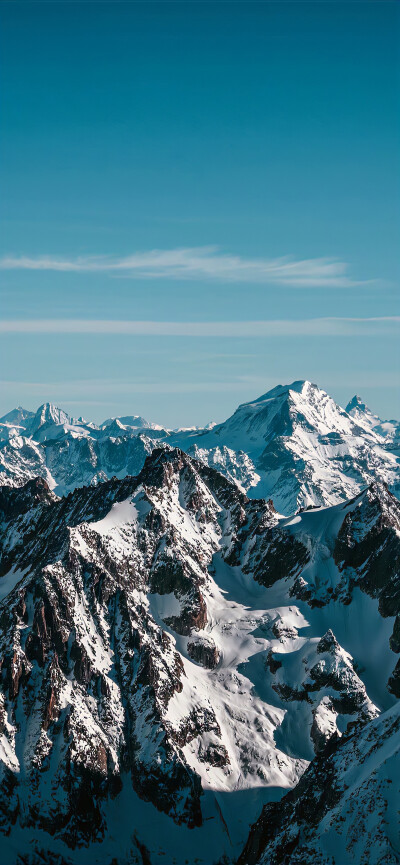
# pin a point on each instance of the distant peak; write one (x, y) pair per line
(48, 413)
(134, 420)
(16, 415)
(300, 386)
(356, 402)
(49, 409)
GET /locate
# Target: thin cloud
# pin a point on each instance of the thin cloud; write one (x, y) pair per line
(205, 262)
(100, 391)
(333, 326)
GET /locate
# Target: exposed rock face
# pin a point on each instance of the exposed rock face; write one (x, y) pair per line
(342, 810)
(367, 552)
(168, 645)
(204, 651)
(367, 548)
(89, 631)
(81, 650)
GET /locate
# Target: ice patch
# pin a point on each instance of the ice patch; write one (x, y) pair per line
(120, 514)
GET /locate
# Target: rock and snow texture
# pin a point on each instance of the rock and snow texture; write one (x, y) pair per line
(174, 654)
(344, 811)
(71, 452)
(388, 429)
(294, 445)
(302, 449)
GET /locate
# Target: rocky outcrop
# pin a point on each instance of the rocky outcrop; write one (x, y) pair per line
(342, 808)
(367, 547)
(203, 651)
(329, 687)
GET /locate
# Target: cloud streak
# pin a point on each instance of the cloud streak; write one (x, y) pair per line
(333, 326)
(194, 263)
(100, 387)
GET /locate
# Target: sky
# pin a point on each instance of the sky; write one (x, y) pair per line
(199, 201)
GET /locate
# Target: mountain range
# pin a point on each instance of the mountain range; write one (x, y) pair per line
(294, 444)
(200, 638)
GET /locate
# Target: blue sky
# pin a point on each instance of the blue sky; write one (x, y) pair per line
(173, 172)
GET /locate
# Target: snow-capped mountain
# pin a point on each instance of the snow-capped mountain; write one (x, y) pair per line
(135, 422)
(388, 429)
(361, 413)
(293, 444)
(302, 449)
(17, 418)
(173, 655)
(70, 452)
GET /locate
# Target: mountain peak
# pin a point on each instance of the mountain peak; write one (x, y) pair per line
(356, 402)
(362, 414)
(300, 386)
(16, 416)
(46, 415)
(50, 413)
(129, 422)
(130, 594)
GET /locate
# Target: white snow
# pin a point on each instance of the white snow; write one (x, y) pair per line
(120, 514)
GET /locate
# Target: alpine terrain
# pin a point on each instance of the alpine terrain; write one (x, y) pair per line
(200, 638)
(293, 444)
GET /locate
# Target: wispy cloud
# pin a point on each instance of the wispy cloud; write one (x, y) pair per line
(333, 326)
(102, 391)
(99, 387)
(206, 262)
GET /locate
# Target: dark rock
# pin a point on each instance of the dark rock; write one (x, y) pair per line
(203, 651)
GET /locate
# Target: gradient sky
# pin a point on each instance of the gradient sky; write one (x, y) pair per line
(213, 164)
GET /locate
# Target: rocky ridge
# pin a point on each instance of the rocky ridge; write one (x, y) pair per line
(344, 809)
(170, 644)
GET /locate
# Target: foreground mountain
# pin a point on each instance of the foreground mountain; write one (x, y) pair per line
(345, 808)
(173, 654)
(294, 445)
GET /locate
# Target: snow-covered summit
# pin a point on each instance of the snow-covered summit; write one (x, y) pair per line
(46, 415)
(358, 409)
(389, 430)
(293, 444)
(356, 403)
(302, 448)
(126, 422)
(300, 386)
(16, 416)
(279, 412)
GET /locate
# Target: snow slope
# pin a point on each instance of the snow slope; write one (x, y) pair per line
(301, 448)
(174, 654)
